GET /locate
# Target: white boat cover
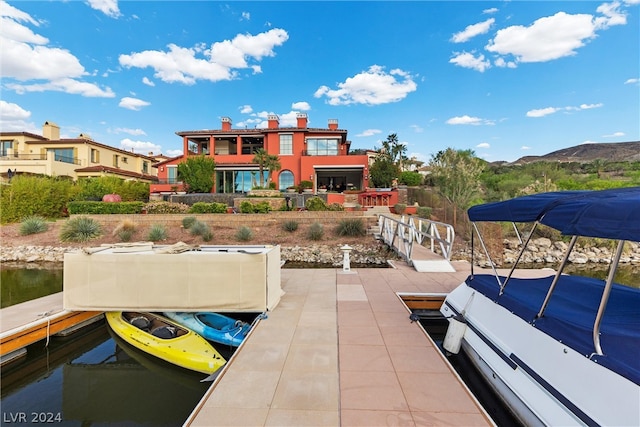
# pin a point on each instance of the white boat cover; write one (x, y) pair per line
(211, 278)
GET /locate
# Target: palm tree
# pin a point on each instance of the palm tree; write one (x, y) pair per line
(264, 160)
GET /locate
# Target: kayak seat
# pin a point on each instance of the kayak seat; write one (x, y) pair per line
(164, 332)
(141, 322)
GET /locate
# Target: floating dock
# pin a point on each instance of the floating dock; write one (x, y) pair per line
(29, 322)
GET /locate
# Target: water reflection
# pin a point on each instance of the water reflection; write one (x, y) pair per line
(96, 379)
(24, 284)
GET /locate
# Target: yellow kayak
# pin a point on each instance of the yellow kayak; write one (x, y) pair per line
(166, 340)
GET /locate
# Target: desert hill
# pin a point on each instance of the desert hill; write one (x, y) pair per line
(584, 153)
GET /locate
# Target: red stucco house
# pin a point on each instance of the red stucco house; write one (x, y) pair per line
(319, 155)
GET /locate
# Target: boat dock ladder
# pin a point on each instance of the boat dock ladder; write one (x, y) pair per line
(419, 241)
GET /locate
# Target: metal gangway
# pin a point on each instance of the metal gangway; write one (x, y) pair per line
(419, 241)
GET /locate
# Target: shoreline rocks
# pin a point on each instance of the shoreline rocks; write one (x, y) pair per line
(375, 253)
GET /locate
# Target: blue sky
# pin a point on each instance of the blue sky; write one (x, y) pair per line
(505, 79)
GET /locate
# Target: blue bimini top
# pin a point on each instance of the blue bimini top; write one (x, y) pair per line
(608, 214)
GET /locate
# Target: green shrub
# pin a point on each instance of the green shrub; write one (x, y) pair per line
(104, 208)
(93, 189)
(188, 221)
(203, 207)
(305, 185)
(424, 212)
(199, 228)
(33, 225)
(351, 227)
(244, 234)
(166, 208)
(125, 230)
(207, 235)
(400, 208)
(290, 226)
(410, 178)
(80, 229)
(246, 207)
(34, 195)
(336, 207)
(316, 231)
(157, 233)
(262, 207)
(315, 204)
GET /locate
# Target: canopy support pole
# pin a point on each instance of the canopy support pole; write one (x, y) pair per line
(513, 268)
(605, 298)
(574, 238)
(486, 252)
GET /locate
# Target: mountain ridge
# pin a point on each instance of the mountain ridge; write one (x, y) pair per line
(583, 153)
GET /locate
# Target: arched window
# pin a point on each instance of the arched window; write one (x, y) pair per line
(285, 179)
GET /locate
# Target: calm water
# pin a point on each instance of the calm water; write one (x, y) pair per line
(94, 379)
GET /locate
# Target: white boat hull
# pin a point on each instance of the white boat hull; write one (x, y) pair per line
(543, 381)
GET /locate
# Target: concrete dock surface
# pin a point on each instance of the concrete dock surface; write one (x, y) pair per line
(340, 350)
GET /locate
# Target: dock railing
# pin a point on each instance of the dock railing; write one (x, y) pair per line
(402, 234)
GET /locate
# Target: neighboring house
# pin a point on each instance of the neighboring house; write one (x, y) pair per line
(319, 155)
(82, 157)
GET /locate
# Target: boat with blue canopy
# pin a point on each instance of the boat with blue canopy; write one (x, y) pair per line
(558, 349)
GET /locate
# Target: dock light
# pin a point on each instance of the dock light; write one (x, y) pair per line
(346, 262)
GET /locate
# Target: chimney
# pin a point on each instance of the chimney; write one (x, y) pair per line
(333, 124)
(85, 136)
(274, 121)
(302, 120)
(51, 131)
(226, 123)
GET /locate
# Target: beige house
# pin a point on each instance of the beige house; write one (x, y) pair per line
(82, 157)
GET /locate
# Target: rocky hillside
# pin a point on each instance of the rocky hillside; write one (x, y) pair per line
(584, 153)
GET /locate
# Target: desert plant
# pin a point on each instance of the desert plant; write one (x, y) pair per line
(424, 212)
(125, 230)
(166, 208)
(315, 204)
(244, 234)
(290, 226)
(207, 235)
(199, 228)
(80, 229)
(316, 231)
(188, 221)
(33, 225)
(351, 227)
(399, 208)
(157, 233)
(246, 207)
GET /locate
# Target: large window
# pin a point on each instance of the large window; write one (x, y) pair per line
(322, 147)
(286, 143)
(230, 181)
(172, 174)
(64, 155)
(5, 146)
(95, 156)
(285, 179)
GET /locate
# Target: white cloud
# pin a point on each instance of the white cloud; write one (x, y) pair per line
(301, 106)
(632, 81)
(524, 147)
(246, 109)
(174, 153)
(187, 65)
(468, 60)
(11, 111)
(473, 30)
(133, 103)
(614, 135)
(416, 128)
(562, 34)
(245, 15)
(551, 110)
(589, 142)
(134, 132)
(542, 112)
(369, 132)
(490, 10)
(371, 87)
(483, 145)
(148, 82)
(25, 56)
(612, 15)
(108, 7)
(467, 120)
(140, 147)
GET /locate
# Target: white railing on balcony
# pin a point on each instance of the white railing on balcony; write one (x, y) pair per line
(402, 235)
